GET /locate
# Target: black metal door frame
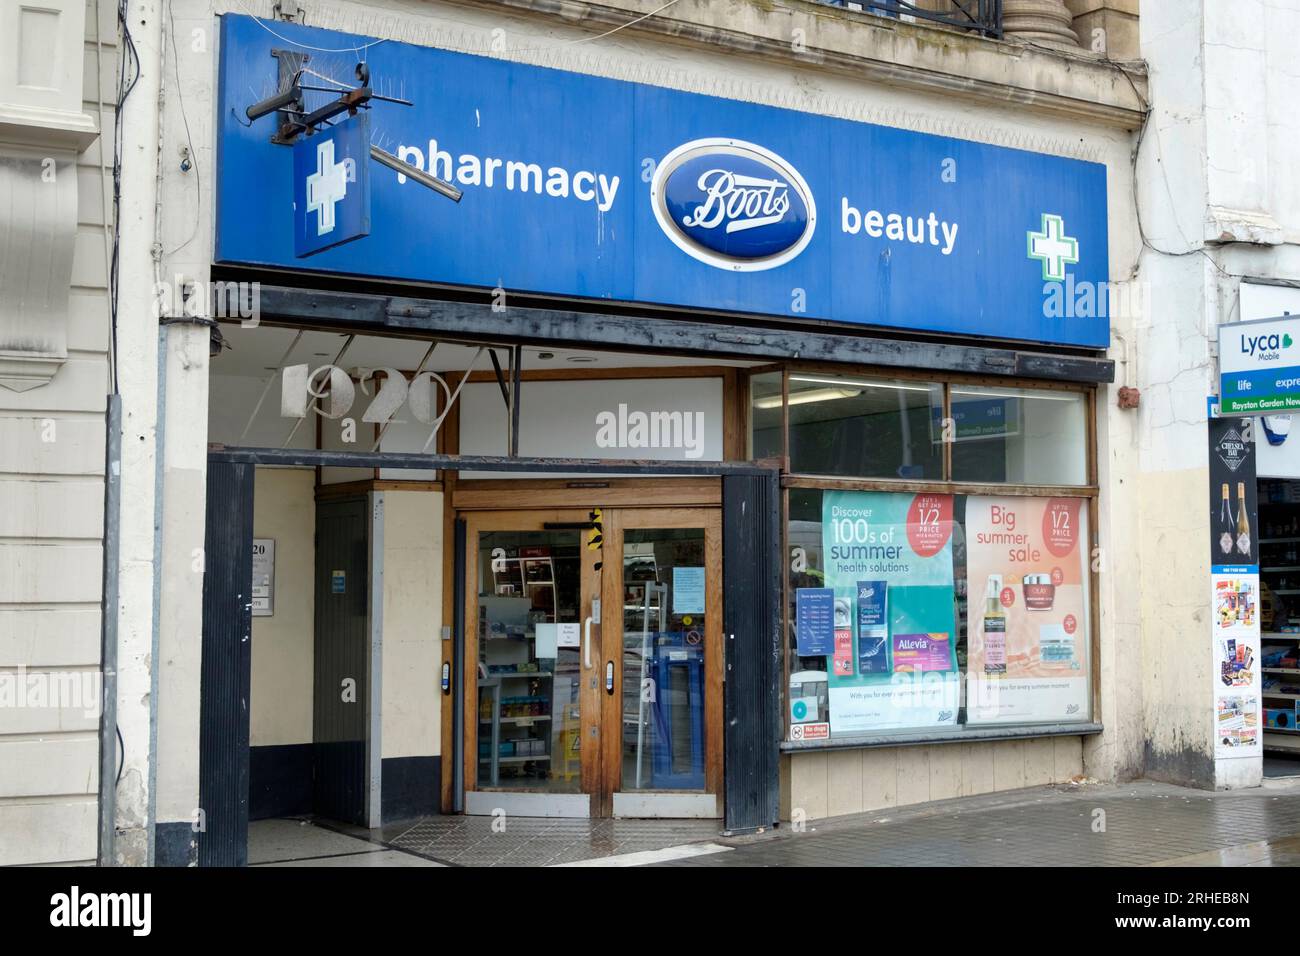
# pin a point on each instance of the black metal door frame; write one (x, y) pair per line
(225, 664)
(751, 622)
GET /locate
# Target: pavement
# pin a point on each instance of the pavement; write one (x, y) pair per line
(1137, 824)
(1143, 823)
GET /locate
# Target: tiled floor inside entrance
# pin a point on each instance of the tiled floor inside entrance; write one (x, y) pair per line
(303, 843)
(1136, 824)
(531, 841)
(480, 841)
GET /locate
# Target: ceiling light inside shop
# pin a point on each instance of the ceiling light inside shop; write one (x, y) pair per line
(847, 383)
(808, 397)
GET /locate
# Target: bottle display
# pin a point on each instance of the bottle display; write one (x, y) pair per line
(1243, 520)
(1225, 522)
(995, 629)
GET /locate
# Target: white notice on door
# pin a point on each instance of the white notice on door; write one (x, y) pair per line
(568, 635)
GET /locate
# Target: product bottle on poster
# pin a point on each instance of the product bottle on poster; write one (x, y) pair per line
(995, 629)
(1243, 520)
(1225, 522)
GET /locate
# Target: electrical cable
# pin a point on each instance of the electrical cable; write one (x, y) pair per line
(129, 67)
(366, 46)
(189, 140)
(303, 46)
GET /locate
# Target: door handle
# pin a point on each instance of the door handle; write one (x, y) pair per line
(586, 643)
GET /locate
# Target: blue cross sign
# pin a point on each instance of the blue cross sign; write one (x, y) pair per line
(331, 186)
(1054, 248)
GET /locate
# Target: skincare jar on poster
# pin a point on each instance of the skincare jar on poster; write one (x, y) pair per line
(1039, 591)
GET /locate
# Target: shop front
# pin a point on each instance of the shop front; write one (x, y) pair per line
(720, 446)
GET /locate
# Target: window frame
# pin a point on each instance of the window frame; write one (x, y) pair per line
(791, 480)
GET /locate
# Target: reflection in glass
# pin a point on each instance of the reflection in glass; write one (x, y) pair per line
(528, 590)
(1018, 435)
(765, 416)
(664, 609)
(865, 428)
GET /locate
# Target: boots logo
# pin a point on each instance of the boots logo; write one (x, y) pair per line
(733, 205)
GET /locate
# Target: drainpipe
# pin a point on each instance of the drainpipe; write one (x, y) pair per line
(108, 633)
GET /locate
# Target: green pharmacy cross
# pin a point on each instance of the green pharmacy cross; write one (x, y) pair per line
(1053, 248)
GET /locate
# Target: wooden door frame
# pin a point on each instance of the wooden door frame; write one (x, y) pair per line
(616, 523)
(601, 768)
(589, 705)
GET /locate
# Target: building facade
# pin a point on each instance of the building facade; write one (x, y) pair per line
(762, 412)
(56, 387)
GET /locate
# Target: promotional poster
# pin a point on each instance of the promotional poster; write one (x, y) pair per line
(1235, 588)
(1237, 662)
(1028, 612)
(889, 562)
(1234, 521)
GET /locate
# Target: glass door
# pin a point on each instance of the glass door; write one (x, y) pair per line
(663, 708)
(532, 648)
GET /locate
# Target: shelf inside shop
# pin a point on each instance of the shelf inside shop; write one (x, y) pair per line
(1269, 693)
(1280, 670)
(1280, 567)
(1286, 591)
(514, 720)
(525, 759)
(1279, 636)
(1279, 540)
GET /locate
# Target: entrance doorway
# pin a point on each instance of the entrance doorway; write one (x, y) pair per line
(594, 658)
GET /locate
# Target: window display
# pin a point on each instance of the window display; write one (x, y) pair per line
(882, 615)
(1028, 650)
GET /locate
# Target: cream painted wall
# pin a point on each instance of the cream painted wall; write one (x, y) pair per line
(833, 783)
(52, 435)
(284, 508)
(412, 702)
(281, 706)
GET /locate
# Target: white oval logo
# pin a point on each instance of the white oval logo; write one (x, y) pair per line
(733, 205)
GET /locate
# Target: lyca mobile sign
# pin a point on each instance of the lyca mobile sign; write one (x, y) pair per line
(1259, 366)
(586, 187)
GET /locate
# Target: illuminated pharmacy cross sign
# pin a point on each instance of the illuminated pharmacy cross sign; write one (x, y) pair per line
(326, 187)
(1053, 247)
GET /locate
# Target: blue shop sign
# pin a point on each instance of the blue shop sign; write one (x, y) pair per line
(586, 187)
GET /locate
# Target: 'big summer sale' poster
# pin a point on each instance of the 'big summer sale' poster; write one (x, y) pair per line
(1027, 584)
(896, 667)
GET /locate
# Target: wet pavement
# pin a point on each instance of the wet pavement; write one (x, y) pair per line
(1137, 824)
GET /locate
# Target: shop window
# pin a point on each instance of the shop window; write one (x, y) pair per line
(922, 612)
(765, 416)
(1018, 435)
(865, 428)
